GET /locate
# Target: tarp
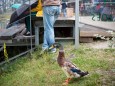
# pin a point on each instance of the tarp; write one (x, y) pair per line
(16, 6)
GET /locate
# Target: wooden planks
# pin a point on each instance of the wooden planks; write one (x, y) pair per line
(24, 39)
(19, 41)
(9, 33)
(86, 39)
(90, 31)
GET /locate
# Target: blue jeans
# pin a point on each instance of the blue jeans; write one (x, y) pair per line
(64, 12)
(50, 14)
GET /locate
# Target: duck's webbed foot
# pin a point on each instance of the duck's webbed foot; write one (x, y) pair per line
(67, 81)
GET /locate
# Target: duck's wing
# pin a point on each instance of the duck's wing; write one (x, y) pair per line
(75, 70)
(70, 64)
(68, 70)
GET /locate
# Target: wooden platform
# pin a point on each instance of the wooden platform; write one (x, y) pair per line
(87, 32)
(8, 35)
(90, 31)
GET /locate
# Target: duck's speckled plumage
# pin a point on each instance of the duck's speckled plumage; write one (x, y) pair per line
(68, 67)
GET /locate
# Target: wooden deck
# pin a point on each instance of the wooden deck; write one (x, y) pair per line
(87, 32)
(107, 25)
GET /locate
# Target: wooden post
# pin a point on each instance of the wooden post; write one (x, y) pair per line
(76, 24)
(36, 36)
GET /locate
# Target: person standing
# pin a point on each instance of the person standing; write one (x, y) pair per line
(34, 13)
(82, 8)
(51, 11)
(64, 6)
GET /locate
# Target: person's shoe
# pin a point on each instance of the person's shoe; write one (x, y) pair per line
(53, 50)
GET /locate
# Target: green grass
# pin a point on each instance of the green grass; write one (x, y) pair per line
(44, 71)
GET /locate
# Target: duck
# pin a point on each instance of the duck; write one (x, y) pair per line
(68, 67)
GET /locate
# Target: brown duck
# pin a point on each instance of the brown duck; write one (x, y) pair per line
(68, 67)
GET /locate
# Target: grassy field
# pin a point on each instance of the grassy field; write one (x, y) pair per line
(44, 71)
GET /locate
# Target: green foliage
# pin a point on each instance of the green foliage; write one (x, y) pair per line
(44, 70)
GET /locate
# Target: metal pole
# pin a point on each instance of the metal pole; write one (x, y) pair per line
(30, 26)
(76, 24)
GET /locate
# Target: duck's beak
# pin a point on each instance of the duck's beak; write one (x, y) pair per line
(51, 47)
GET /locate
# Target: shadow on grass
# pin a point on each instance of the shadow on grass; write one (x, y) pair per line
(75, 80)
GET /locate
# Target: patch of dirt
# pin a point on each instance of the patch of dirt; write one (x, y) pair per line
(99, 45)
(108, 77)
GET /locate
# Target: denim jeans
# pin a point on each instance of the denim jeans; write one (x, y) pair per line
(64, 12)
(50, 14)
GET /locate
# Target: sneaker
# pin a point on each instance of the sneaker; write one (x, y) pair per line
(53, 50)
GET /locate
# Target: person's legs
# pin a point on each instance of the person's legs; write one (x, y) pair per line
(28, 22)
(49, 16)
(57, 13)
(48, 20)
(64, 12)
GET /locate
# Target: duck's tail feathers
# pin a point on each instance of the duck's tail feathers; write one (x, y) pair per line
(84, 74)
